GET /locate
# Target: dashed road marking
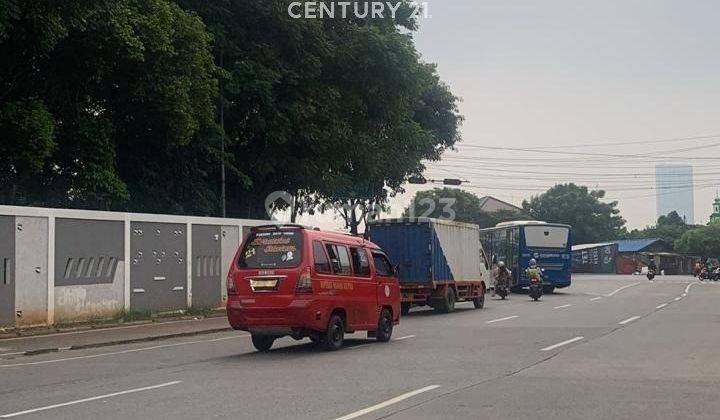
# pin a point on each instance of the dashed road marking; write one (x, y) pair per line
(596, 298)
(629, 320)
(502, 319)
(404, 337)
(387, 403)
(84, 400)
(562, 343)
(677, 298)
(662, 305)
(614, 292)
(563, 306)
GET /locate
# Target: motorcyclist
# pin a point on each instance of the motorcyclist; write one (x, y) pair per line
(534, 270)
(652, 266)
(502, 275)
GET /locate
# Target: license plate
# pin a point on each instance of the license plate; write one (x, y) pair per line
(263, 285)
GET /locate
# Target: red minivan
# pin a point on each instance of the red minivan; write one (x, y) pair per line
(303, 282)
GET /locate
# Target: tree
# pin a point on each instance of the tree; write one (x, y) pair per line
(106, 104)
(669, 228)
(337, 112)
(458, 205)
(701, 241)
(591, 219)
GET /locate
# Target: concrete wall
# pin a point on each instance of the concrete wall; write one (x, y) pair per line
(228, 247)
(89, 269)
(75, 265)
(7, 271)
(31, 271)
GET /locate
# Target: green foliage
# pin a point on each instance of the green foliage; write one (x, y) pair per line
(591, 219)
(701, 241)
(669, 228)
(114, 105)
(458, 205)
(122, 91)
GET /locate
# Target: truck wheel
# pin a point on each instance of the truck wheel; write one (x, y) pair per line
(548, 290)
(262, 342)
(404, 308)
(479, 302)
(385, 326)
(448, 303)
(333, 338)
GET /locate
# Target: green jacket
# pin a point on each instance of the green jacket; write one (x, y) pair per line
(534, 272)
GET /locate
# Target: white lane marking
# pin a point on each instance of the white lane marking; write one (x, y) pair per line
(563, 343)
(404, 338)
(596, 298)
(662, 305)
(683, 295)
(12, 354)
(687, 289)
(677, 298)
(563, 306)
(115, 353)
(84, 400)
(389, 402)
(629, 320)
(502, 319)
(622, 288)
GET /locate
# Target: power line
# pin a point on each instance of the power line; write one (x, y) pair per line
(624, 143)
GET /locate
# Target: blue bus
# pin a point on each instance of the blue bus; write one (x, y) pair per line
(517, 242)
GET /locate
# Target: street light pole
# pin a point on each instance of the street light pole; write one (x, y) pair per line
(222, 146)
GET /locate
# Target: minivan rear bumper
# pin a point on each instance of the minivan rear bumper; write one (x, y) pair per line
(301, 313)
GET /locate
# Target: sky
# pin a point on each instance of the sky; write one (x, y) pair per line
(582, 78)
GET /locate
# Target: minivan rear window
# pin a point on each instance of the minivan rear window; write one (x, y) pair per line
(274, 249)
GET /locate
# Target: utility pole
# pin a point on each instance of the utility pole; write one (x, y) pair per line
(222, 144)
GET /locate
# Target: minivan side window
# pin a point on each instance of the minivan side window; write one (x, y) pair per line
(322, 264)
(360, 261)
(382, 265)
(339, 259)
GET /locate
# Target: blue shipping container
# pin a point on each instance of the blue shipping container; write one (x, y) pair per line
(428, 250)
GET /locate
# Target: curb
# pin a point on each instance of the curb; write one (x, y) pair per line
(119, 342)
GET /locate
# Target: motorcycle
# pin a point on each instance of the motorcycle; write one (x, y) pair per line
(704, 275)
(501, 290)
(650, 274)
(535, 289)
(716, 274)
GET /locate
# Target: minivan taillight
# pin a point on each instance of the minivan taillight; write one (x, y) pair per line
(231, 288)
(304, 283)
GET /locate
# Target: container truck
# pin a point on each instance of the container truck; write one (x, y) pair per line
(440, 262)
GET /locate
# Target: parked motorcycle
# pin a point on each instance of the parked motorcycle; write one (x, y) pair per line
(535, 289)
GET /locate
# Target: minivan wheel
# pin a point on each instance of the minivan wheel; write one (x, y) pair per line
(262, 342)
(385, 326)
(335, 334)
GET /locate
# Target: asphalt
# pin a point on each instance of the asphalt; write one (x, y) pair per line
(625, 356)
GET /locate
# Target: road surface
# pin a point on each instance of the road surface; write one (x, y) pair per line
(607, 347)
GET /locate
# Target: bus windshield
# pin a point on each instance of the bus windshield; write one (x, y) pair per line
(546, 236)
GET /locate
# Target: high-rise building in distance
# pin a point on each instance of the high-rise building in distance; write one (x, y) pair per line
(675, 191)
